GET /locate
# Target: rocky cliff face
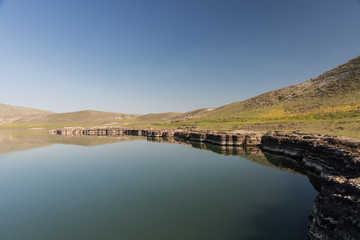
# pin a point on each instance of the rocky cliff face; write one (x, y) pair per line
(321, 154)
(223, 138)
(335, 162)
(336, 213)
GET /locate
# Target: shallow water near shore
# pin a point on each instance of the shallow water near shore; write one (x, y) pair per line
(55, 187)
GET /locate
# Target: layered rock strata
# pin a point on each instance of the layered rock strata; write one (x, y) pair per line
(223, 138)
(335, 162)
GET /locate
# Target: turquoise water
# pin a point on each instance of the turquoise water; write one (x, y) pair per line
(144, 190)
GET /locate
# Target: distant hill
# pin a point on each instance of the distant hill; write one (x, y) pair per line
(81, 118)
(9, 113)
(155, 118)
(170, 117)
(190, 115)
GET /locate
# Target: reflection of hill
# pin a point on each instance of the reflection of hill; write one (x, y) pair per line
(20, 141)
(16, 141)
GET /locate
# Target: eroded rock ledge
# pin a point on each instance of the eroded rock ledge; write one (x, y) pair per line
(335, 162)
(223, 138)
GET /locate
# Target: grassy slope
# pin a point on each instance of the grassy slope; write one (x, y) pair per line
(10, 113)
(159, 119)
(190, 115)
(82, 118)
(154, 118)
(329, 103)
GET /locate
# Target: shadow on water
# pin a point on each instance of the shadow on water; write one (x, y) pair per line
(253, 154)
(332, 216)
(262, 221)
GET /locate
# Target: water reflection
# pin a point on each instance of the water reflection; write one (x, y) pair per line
(253, 154)
(193, 195)
(327, 214)
(21, 141)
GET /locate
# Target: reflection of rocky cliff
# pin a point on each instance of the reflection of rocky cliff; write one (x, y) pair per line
(20, 141)
(251, 153)
(332, 165)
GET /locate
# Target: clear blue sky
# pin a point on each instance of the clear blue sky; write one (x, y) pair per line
(141, 56)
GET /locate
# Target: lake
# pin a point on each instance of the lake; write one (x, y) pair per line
(55, 187)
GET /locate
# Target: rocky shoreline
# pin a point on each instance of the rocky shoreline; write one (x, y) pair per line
(332, 161)
(223, 138)
(335, 162)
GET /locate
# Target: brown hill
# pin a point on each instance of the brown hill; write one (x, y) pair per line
(9, 113)
(336, 90)
(80, 118)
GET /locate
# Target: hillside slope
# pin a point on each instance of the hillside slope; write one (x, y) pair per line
(80, 118)
(190, 115)
(155, 118)
(329, 103)
(9, 113)
(330, 92)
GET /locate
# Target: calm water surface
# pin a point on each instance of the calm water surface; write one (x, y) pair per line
(55, 187)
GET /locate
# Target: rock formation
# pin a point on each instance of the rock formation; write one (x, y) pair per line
(223, 138)
(335, 163)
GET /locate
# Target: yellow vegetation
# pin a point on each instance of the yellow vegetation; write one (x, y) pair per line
(281, 113)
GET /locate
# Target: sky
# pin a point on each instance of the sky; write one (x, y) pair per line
(142, 56)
